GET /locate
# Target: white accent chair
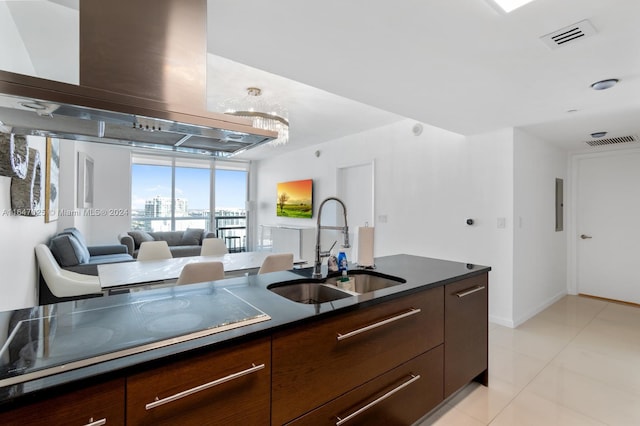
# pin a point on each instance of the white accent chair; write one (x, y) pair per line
(276, 262)
(63, 283)
(213, 247)
(154, 250)
(199, 272)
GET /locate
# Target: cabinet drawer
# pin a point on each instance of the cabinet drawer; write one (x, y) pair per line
(466, 332)
(228, 386)
(400, 397)
(100, 404)
(315, 363)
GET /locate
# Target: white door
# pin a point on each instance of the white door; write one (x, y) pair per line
(355, 188)
(608, 226)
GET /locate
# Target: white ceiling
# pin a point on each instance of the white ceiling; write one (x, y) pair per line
(343, 67)
(315, 116)
(454, 64)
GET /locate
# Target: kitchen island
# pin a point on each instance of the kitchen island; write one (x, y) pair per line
(251, 356)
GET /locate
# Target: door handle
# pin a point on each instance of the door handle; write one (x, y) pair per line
(585, 237)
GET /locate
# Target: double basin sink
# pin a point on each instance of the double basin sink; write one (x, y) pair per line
(321, 290)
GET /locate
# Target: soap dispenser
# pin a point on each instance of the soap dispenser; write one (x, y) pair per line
(346, 282)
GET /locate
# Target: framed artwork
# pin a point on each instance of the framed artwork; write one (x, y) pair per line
(295, 199)
(85, 181)
(52, 184)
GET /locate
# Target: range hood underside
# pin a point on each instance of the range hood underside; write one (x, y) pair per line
(33, 106)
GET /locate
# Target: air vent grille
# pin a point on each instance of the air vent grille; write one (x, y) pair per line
(568, 34)
(611, 141)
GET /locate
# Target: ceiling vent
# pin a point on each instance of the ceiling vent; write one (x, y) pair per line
(611, 141)
(569, 34)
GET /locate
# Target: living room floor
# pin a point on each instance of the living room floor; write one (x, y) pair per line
(575, 363)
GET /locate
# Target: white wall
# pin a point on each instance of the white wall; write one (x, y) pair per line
(110, 214)
(112, 192)
(540, 261)
(20, 234)
(426, 186)
(18, 287)
(490, 198)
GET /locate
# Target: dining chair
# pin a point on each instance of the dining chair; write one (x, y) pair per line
(154, 250)
(213, 247)
(61, 282)
(198, 272)
(276, 262)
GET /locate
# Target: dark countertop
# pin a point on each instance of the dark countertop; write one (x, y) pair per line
(47, 346)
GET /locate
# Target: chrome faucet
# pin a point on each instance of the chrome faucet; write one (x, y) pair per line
(345, 230)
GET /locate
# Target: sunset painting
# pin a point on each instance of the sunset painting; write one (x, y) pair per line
(295, 199)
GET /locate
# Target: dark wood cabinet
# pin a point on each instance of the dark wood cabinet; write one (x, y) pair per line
(315, 363)
(387, 363)
(465, 333)
(99, 404)
(399, 397)
(225, 387)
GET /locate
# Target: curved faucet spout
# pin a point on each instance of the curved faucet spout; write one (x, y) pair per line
(345, 230)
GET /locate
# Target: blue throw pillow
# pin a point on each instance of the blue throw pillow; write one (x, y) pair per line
(75, 232)
(67, 250)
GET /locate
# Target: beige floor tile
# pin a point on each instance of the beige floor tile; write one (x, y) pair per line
(617, 372)
(513, 367)
(450, 416)
(549, 329)
(621, 315)
(590, 397)
(484, 403)
(573, 311)
(539, 340)
(618, 342)
(575, 363)
(529, 409)
(581, 303)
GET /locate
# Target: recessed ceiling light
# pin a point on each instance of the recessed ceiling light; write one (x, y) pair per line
(508, 5)
(604, 84)
(598, 134)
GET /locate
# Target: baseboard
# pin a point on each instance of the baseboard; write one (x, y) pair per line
(501, 321)
(535, 311)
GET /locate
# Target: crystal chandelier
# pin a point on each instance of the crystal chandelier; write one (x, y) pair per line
(264, 115)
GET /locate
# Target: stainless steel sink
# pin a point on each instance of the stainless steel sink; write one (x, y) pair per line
(313, 291)
(308, 292)
(367, 281)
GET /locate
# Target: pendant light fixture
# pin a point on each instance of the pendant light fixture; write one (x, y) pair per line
(264, 115)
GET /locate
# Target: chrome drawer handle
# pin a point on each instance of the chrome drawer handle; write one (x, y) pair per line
(376, 401)
(413, 311)
(159, 402)
(97, 422)
(469, 291)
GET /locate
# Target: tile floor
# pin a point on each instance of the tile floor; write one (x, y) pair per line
(575, 363)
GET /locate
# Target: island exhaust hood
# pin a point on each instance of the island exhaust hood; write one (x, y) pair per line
(142, 83)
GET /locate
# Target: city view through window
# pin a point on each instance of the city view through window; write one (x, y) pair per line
(154, 208)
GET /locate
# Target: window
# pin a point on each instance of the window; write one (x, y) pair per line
(231, 216)
(174, 193)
